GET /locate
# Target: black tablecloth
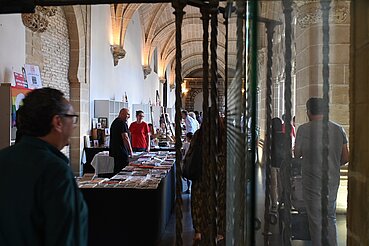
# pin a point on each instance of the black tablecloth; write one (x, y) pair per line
(129, 216)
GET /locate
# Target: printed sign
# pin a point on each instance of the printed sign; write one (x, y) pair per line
(33, 76)
(19, 80)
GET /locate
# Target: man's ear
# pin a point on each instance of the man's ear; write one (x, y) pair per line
(57, 123)
(308, 115)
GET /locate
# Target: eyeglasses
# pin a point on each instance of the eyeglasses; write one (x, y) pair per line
(73, 116)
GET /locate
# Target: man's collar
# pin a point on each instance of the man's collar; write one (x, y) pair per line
(35, 141)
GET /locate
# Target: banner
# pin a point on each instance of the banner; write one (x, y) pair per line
(17, 100)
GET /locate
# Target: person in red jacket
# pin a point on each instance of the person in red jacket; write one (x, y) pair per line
(140, 133)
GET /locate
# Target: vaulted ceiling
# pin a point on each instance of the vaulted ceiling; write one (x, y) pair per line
(158, 22)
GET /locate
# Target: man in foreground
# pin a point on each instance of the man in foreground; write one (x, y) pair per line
(41, 203)
(309, 147)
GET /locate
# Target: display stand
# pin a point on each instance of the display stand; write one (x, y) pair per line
(108, 109)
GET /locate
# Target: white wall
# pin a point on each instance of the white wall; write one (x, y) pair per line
(109, 82)
(101, 82)
(12, 46)
(171, 93)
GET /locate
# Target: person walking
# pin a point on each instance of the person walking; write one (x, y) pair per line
(309, 148)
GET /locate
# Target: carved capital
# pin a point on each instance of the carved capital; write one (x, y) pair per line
(172, 86)
(310, 13)
(118, 53)
(48, 11)
(162, 80)
(38, 21)
(146, 70)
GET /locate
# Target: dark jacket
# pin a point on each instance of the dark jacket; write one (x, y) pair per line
(40, 201)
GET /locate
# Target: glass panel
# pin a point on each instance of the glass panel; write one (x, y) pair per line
(275, 65)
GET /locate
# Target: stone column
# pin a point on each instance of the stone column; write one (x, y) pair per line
(358, 198)
(309, 58)
(79, 28)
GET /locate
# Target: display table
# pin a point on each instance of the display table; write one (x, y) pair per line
(103, 163)
(90, 153)
(129, 216)
(155, 149)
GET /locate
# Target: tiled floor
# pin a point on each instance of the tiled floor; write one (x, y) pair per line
(168, 238)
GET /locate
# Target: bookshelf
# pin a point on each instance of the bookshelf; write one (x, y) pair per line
(108, 109)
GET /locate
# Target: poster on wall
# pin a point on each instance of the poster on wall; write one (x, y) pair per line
(19, 80)
(17, 100)
(33, 76)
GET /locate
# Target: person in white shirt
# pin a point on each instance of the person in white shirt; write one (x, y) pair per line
(193, 116)
(191, 124)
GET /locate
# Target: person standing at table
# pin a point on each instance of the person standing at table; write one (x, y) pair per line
(120, 146)
(190, 123)
(41, 203)
(140, 133)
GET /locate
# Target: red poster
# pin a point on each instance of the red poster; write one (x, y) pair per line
(19, 80)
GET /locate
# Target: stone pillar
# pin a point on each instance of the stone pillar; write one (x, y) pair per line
(358, 198)
(79, 28)
(309, 58)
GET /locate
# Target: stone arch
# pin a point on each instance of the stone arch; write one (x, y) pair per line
(189, 102)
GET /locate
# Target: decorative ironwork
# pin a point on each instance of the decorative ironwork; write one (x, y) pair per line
(205, 108)
(268, 105)
(118, 53)
(287, 166)
(325, 177)
(178, 6)
(213, 136)
(38, 21)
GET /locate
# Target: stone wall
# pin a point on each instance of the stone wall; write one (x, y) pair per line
(62, 52)
(55, 50)
(50, 51)
(309, 59)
